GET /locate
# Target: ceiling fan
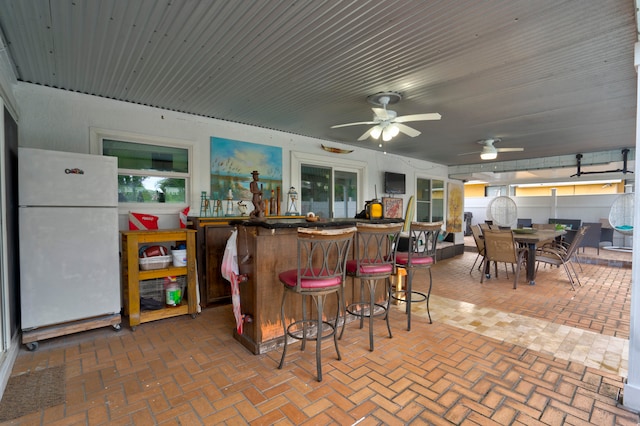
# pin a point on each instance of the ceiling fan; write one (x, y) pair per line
(386, 122)
(489, 151)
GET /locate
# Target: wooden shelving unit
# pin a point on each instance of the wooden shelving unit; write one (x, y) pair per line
(132, 275)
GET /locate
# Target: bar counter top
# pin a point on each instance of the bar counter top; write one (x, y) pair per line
(303, 223)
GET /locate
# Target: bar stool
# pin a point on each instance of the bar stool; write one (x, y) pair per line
(420, 253)
(322, 257)
(374, 260)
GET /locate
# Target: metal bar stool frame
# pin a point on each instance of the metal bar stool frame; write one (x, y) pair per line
(321, 270)
(420, 254)
(374, 260)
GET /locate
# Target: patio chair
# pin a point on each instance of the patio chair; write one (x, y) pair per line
(606, 233)
(501, 247)
(479, 240)
(483, 227)
(592, 237)
(543, 226)
(562, 255)
(524, 223)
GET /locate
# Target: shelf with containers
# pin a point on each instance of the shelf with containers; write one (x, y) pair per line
(149, 279)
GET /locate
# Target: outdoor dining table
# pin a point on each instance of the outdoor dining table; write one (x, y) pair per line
(532, 239)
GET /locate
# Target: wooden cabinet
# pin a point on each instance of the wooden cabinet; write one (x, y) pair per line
(132, 275)
(211, 240)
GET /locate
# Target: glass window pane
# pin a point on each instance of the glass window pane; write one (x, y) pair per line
(495, 191)
(138, 156)
(424, 190)
(422, 212)
(316, 190)
(423, 200)
(151, 189)
(437, 201)
(345, 194)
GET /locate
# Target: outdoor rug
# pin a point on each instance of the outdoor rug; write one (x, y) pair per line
(32, 391)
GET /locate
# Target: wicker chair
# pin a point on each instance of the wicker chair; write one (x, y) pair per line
(501, 247)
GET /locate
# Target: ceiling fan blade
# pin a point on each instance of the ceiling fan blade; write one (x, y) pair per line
(353, 124)
(509, 149)
(366, 134)
(418, 117)
(381, 113)
(469, 153)
(407, 130)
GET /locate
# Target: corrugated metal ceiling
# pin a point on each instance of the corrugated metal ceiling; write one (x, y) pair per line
(554, 77)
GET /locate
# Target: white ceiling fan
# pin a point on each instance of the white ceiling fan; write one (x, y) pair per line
(386, 122)
(489, 151)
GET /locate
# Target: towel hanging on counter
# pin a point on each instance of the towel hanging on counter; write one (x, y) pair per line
(230, 272)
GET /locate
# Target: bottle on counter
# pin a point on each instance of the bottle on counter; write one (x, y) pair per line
(273, 204)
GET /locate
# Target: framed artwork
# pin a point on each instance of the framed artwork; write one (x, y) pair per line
(232, 164)
(392, 208)
(455, 205)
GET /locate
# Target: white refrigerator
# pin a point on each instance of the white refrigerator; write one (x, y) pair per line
(69, 252)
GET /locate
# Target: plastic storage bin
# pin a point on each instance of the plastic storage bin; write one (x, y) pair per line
(156, 262)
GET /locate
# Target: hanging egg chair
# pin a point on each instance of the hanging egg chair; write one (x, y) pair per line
(503, 211)
(621, 214)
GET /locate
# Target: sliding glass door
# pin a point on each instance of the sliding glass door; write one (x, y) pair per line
(328, 192)
(330, 187)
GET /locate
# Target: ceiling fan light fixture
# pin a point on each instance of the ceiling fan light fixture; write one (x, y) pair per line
(489, 152)
(376, 132)
(387, 134)
(394, 130)
(489, 155)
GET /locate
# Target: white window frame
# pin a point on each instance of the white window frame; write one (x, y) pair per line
(444, 199)
(336, 164)
(96, 138)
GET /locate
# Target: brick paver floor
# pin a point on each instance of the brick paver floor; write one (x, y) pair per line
(192, 371)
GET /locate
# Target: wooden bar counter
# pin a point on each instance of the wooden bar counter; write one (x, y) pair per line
(211, 240)
(266, 248)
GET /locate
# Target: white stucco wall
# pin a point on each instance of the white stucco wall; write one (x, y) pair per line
(61, 120)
